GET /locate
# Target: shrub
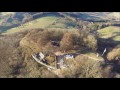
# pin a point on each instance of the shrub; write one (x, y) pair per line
(91, 42)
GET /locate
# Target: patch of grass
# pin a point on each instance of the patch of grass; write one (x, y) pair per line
(63, 23)
(109, 32)
(117, 38)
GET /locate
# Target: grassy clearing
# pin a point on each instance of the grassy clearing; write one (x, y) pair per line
(109, 32)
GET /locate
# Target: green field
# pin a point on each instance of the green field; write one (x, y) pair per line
(44, 22)
(112, 32)
(38, 23)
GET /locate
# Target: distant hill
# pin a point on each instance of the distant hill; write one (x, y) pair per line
(9, 20)
(96, 15)
(115, 15)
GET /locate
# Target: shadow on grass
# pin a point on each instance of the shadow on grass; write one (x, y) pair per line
(109, 44)
(5, 28)
(47, 14)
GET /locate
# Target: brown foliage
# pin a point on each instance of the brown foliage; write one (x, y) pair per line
(9, 55)
(68, 39)
(67, 42)
(85, 39)
(106, 71)
(114, 54)
(91, 42)
(17, 60)
(88, 68)
(82, 67)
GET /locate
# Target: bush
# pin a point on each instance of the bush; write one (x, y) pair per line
(91, 42)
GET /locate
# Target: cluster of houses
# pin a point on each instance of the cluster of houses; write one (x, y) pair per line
(59, 59)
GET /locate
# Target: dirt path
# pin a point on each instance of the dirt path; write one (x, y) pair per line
(96, 59)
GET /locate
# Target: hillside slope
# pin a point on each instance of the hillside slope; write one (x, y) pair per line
(10, 20)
